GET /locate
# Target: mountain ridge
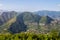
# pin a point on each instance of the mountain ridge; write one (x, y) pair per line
(28, 21)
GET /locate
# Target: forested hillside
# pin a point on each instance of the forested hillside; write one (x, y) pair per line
(28, 26)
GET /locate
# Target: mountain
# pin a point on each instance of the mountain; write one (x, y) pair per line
(27, 21)
(20, 25)
(5, 16)
(6, 25)
(15, 22)
(53, 14)
(46, 19)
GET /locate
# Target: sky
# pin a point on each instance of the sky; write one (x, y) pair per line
(30, 5)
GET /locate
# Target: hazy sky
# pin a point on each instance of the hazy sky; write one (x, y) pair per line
(30, 5)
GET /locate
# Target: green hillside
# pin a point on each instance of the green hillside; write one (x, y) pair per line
(6, 25)
(29, 22)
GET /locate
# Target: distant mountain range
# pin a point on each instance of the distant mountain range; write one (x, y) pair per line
(53, 14)
(15, 22)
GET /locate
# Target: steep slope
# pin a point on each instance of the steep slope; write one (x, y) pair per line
(45, 24)
(22, 20)
(5, 26)
(26, 21)
(5, 16)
